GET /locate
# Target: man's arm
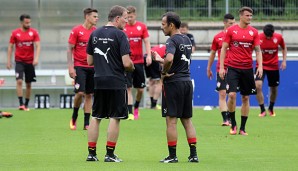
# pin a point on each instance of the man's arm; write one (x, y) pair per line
(168, 61)
(127, 63)
(223, 52)
(259, 58)
(71, 70)
(148, 51)
(284, 52)
(210, 62)
(36, 58)
(90, 60)
(9, 52)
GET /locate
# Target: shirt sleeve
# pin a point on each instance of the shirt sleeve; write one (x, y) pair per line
(36, 37)
(12, 39)
(124, 44)
(73, 37)
(170, 47)
(214, 45)
(145, 32)
(256, 39)
(282, 42)
(227, 37)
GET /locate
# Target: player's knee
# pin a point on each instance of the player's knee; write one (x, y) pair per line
(245, 99)
(232, 96)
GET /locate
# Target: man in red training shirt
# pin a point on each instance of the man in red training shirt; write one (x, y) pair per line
(24, 39)
(269, 45)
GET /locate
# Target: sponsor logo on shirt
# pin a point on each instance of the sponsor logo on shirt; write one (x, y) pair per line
(181, 47)
(183, 57)
(135, 39)
(96, 50)
(236, 44)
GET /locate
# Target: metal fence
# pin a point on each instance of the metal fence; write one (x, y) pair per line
(215, 9)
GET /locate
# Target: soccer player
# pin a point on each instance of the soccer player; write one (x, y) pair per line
(269, 45)
(184, 30)
(136, 31)
(25, 39)
(108, 49)
(78, 68)
(153, 73)
(177, 93)
(241, 39)
(228, 21)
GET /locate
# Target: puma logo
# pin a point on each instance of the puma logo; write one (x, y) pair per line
(96, 50)
(183, 57)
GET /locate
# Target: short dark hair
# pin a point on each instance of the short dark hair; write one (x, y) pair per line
(131, 9)
(228, 17)
(184, 25)
(88, 11)
(116, 11)
(268, 30)
(241, 10)
(23, 16)
(174, 18)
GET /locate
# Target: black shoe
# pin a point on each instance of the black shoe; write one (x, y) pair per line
(112, 158)
(92, 158)
(193, 159)
(169, 160)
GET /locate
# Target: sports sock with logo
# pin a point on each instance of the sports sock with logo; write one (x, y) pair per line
(192, 142)
(172, 148)
(92, 148)
(110, 147)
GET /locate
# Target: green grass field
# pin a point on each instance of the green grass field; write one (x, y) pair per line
(42, 140)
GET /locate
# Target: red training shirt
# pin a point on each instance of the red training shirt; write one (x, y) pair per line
(241, 44)
(216, 46)
(79, 37)
(136, 33)
(270, 50)
(160, 49)
(24, 43)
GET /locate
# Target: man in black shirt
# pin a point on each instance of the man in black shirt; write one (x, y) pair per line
(108, 50)
(177, 87)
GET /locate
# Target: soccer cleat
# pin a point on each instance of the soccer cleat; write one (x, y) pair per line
(226, 123)
(5, 114)
(86, 127)
(72, 125)
(24, 108)
(241, 132)
(130, 117)
(112, 158)
(271, 113)
(263, 114)
(193, 159)
(92, 158)
(136, 113)
(169, 160)
(233, 131)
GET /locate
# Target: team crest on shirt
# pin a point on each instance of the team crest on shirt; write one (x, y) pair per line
(139, 28)
(251, 33)
(77, 86)
(275, 40)
(30, 33)
(20, 45)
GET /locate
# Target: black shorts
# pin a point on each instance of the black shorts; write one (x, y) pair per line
(241, 80)
(84, 81)
(110, 103)
(272, 77)
(221, 84)
(177, 99)
(28, 69)
(153, 70)
(137, 77)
